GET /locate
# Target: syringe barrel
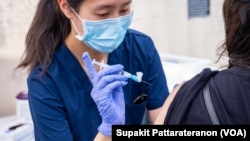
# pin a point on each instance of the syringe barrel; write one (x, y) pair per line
(124, 73)
(127, 74)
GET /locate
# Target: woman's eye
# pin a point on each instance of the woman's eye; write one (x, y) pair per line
(125, 11)
(102, 14)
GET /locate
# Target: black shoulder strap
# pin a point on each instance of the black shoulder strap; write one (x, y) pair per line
(209, 105)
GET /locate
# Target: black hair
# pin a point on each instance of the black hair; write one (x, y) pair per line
(236, 14)
(48, 28)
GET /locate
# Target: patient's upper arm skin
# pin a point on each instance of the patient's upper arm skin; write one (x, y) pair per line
(161, 116)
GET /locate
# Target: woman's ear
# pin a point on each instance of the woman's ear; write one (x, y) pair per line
(65, 8)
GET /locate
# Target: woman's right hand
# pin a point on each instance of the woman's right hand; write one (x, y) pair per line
(107, 93)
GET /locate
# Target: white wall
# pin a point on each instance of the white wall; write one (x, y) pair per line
(165, 20)
(173, 32)
(15, 17)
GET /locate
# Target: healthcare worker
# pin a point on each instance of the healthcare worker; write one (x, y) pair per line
(59, 88)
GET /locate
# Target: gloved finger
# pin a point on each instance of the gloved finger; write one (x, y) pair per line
(90, 67)
(114, 69)
(106, 80)
(104, 93)
(115, 85)
(119, 95)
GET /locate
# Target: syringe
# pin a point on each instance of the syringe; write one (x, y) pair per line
(136, 78)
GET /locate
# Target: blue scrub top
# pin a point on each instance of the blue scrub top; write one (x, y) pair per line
(60, 102)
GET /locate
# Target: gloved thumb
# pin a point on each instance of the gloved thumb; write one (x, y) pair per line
(90, 67)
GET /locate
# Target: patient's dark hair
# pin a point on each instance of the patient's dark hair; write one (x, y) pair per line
(236, 14)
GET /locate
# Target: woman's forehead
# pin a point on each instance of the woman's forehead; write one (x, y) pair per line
(105, 3)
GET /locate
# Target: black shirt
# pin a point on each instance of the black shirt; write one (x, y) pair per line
(230, 94)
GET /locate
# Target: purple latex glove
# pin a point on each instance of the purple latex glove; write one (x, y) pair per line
(108, 94)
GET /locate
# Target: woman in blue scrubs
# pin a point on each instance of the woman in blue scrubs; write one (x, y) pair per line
(58, 86)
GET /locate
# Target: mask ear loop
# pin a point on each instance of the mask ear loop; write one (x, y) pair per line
(76, 14)
(132, 7)
(74, 25)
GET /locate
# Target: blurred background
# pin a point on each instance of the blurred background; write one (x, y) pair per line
(181, 30)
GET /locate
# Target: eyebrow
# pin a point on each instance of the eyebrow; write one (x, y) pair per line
(103, 6)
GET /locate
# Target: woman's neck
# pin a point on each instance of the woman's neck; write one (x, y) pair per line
(78, 48)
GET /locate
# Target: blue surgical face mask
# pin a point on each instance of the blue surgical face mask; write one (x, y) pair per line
(104, 35)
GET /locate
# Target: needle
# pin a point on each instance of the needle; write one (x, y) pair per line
(145, 82)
